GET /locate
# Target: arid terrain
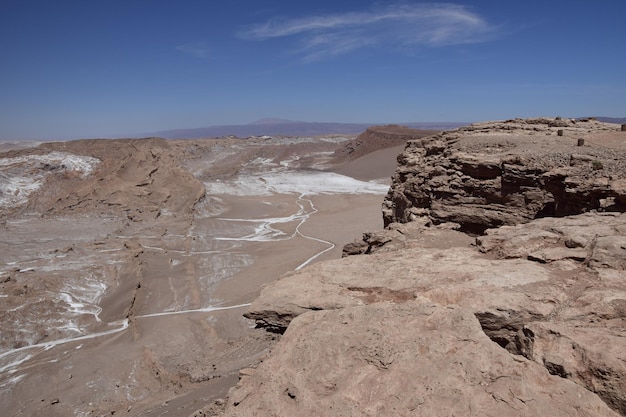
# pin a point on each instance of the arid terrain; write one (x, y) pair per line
(203, 278)
(126, 265)
(498, 288)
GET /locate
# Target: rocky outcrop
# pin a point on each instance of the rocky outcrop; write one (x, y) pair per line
(391, 359)
(528, 318)
(376, 138)
(140, 179)
(502, 173)
(539, 299)
(583, 340)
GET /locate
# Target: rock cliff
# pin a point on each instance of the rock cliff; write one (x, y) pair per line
(502, 173)
(376, 138)
(527, 318)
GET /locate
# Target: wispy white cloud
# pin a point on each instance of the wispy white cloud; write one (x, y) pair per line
(196, 50)
(399, 25)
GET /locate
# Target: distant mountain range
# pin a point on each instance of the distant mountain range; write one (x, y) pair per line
(618, 120)
(283, 127)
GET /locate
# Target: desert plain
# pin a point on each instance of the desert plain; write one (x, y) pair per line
(127, 265)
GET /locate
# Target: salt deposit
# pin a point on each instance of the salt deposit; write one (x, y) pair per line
(295, 182)
(192, 269)
(20, 176)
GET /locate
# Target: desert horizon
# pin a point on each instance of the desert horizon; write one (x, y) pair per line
(262, 127)
(357, 208)
(161, 276)
(270, 126)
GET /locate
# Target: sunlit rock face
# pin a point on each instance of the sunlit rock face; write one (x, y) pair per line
(502, 173)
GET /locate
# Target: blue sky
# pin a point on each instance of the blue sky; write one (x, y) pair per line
(73, 69)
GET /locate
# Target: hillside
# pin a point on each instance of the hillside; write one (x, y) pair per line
(134, 273)
(377, 138)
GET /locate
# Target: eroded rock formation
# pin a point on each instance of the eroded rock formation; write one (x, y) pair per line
(502, 173)
(376, 138)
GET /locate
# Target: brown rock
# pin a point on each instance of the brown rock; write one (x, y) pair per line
(549, 275)
(378, 137)
(411, 328)
(416, 358)
(591, 358)
(503, 173)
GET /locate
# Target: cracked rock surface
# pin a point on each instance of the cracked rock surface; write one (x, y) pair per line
(413, 358)
(564, 314)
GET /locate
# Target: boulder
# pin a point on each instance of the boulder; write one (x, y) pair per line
(412, 358)
(505, 173)
(532, 288)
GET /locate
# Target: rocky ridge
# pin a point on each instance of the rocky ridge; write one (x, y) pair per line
(528, 318)
(378, 137)
(500, 173)
(137, 179)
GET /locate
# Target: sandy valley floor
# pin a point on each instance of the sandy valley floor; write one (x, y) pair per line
(126, 270)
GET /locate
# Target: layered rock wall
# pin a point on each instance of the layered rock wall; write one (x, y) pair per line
(376, 138)
(502, 173)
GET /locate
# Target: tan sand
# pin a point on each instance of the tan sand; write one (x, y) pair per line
(156, 265)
